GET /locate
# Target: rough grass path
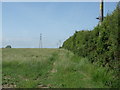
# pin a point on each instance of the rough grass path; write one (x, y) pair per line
(50, 68)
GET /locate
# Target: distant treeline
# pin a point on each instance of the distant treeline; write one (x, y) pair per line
(101, 45)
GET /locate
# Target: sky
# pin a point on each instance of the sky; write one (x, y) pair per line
(22, 22)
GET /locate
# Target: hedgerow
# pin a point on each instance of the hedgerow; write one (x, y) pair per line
(101, 45)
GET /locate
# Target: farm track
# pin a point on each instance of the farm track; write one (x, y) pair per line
(47, 68)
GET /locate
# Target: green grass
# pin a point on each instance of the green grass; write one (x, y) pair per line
(50, 68)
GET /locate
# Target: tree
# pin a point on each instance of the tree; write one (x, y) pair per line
(8, 46)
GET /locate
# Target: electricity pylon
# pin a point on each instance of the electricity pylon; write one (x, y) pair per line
(40, 41)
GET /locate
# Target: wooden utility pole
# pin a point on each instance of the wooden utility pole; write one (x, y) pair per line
(101, 17)
(101, 10)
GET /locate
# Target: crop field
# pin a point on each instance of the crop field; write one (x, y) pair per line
(49, 68)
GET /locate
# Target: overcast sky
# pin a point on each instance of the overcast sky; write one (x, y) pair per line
(23, 22)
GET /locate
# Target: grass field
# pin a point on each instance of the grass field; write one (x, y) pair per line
(49, 68)
(0, 68)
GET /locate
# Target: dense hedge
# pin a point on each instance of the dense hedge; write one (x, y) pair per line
(101, 45)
